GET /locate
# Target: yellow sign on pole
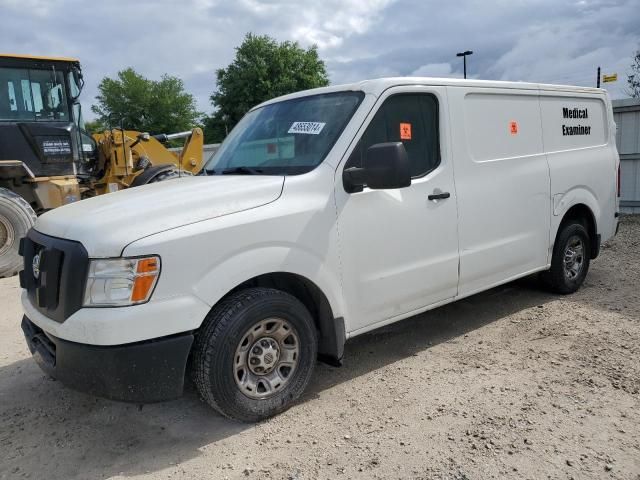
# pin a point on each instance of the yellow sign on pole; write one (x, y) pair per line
(609, 78)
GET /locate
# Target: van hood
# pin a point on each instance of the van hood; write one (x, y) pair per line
(107, 223)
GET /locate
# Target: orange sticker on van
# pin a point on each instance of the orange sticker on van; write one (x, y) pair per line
(514, 128)
(405, 131)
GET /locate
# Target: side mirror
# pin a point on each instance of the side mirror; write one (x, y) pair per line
(78, 80)
(386, 166)
(77, 76)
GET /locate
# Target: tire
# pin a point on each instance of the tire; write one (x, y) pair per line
(16, 218)
(226, 345)
(169, 175)
(159, 173)
(565, 277)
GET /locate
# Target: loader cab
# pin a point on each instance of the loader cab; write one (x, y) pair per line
(39, 114)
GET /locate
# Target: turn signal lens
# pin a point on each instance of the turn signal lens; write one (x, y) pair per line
(121, 281)
(147, 273)
(148, 265)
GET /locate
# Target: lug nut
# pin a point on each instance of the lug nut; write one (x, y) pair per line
(257, 350)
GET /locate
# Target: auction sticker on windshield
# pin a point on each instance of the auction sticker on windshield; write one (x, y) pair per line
(309, 128)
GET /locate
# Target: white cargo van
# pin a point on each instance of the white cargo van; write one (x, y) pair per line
(324, 214)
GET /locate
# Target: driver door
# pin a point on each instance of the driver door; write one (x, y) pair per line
(399, 248)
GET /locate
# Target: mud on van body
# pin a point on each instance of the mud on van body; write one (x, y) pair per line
(324, 214)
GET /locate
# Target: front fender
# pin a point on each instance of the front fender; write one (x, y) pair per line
(286, 258)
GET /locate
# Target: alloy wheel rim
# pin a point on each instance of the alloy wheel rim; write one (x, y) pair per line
(573, 257)
(7, 235)
(266, 357)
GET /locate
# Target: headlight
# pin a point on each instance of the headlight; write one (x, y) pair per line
(121, 281)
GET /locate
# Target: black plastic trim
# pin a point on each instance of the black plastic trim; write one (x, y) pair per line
(59, 289)
(331, 342)
(142, 372)
(595, 249)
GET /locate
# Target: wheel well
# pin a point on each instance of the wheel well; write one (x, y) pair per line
(331, 330)
(584, 215)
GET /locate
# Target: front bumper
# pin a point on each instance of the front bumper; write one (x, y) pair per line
(142, 372)
(123, 325)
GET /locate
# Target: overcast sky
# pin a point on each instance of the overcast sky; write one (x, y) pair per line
(554, 41)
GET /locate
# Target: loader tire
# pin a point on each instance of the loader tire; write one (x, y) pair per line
(16, 218)
(169, 175)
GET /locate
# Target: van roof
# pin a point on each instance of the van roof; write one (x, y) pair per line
(379, 85)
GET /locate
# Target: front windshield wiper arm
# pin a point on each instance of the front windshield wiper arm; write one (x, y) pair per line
(241, 171)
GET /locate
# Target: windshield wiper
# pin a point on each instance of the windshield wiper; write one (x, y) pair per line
(241, 171)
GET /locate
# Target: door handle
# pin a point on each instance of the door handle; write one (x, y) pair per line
(439, 196)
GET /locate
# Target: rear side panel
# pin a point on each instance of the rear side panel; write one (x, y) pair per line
(578, 138)
(502, 180)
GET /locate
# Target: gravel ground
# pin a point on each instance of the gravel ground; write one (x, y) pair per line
(511, 383)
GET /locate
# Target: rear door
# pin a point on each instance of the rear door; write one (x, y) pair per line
(398, 249)
(502, 180)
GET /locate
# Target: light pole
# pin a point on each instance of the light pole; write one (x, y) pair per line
(464, 59)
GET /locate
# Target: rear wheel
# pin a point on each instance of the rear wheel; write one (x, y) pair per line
(255, 354)
(571, 259)
(16, 218)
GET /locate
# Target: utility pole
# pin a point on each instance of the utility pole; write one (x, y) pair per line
(598, 81)
(464, 59)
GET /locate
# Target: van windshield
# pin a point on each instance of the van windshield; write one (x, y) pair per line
(285, 138)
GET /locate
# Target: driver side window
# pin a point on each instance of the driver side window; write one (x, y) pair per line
(410, 118)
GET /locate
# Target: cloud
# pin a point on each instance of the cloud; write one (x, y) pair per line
(574, 46)
(542, 40)
(434, 70)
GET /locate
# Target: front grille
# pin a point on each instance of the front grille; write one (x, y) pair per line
(55, 280)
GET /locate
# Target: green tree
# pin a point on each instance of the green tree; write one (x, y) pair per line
(215, 128)
(633, 79)
(93, 126)
(262, 69)
(146, 105)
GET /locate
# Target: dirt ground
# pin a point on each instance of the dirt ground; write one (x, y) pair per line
(511, 383)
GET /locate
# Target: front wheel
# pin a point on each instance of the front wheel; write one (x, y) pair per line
(255, 354)
(570, 261)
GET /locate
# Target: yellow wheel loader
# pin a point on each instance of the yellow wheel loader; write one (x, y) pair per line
(47, 159)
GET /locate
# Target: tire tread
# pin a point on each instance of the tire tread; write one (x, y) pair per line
(21, 206)
(554, 278)
(215, 327)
